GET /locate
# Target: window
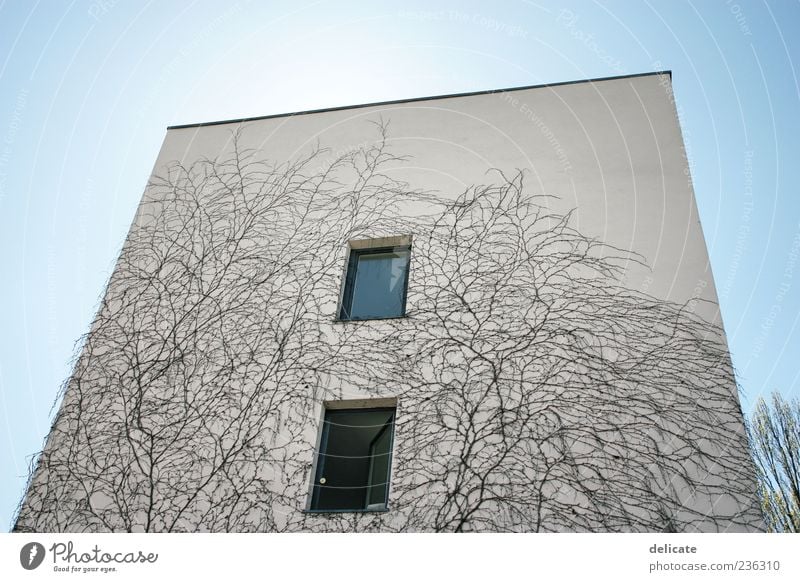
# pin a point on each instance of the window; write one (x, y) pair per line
(354, 460)
(376, 282)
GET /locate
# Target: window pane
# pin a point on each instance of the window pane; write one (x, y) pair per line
(354, 459)
(380, 449)
(378, 285)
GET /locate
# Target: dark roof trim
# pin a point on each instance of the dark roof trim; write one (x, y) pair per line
(414, 99)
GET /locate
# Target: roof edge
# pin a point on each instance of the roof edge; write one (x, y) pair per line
(415, 99)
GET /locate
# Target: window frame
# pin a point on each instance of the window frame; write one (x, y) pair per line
(351, 268)
(319, 465)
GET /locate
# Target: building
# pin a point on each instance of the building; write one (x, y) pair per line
(481, 312)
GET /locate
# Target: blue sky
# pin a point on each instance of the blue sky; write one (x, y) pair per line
(88, 87)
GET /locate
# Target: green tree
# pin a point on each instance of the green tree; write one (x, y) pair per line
(774, 433)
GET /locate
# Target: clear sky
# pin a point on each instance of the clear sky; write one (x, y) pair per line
(88, 87)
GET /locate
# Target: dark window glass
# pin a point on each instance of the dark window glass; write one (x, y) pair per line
(376, 283)
(354, 460)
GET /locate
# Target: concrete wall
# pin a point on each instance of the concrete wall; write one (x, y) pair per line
(611, 149)
(621, 414)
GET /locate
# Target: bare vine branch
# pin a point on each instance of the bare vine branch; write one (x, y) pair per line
(536, 392)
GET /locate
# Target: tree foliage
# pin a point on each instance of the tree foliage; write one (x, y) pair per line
(774, 433)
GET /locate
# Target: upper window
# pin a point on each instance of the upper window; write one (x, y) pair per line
(376, 282)
(354, 460)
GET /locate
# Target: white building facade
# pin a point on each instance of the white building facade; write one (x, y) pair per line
(480, 312)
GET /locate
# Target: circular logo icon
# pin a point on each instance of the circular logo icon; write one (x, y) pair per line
(31, 555)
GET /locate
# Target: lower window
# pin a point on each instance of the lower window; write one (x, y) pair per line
(354, 460)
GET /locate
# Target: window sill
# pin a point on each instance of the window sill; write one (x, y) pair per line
(322, 511)
(340, 320)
